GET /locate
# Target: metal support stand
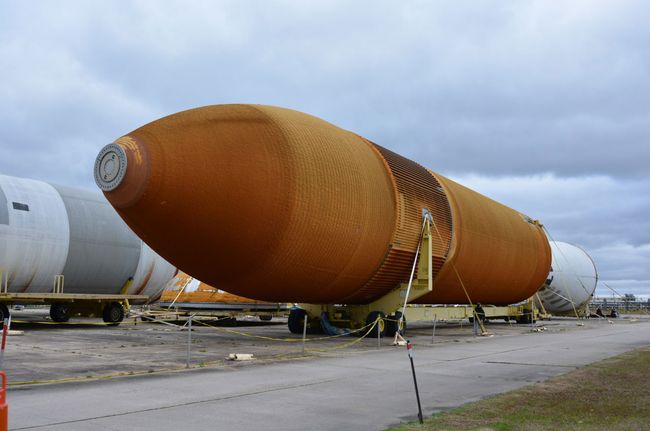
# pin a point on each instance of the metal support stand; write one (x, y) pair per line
(433, 333)
(59, 281)
(189, 342)
(419, 284)
(378, 333)
(532, 314)
(304, 333)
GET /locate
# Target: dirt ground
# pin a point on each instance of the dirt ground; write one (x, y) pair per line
(85, 348)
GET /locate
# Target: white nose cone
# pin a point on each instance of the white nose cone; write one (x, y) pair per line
(572, 280)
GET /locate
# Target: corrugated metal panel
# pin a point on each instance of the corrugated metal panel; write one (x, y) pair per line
(417, 189)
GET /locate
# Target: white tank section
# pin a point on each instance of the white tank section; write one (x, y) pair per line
(34, 232)
(50, 230)
(572, 280)
(152, 275)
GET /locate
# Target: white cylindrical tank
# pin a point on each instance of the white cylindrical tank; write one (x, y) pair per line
(572, 280)
(48, 230)
(152, 274)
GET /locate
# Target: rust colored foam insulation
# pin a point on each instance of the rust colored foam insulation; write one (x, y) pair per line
(278, 205)
(498, 253)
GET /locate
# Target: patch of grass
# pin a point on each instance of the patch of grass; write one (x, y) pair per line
(613, 394)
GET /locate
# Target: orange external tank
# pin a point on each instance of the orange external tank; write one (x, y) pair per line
(281, 206)
(186, 289)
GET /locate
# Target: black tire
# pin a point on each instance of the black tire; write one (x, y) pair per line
(4, 312)
(379, 328)
(296, 320)
(391, 325)
(229, 321)
(265, 317)
(113, 313)
(59, 312)
(526, 318)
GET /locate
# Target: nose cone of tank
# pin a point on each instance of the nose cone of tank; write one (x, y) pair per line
(122, 170)
(265, 202)
(110, 167)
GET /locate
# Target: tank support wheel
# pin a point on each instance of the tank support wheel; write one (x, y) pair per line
(113, 313)
(59, 312)
(296, 320)
(4, 312)
(526, 318)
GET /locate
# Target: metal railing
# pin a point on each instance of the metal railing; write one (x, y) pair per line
(59, 281)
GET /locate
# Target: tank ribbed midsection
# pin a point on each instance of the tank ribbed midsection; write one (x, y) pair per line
(416, 190)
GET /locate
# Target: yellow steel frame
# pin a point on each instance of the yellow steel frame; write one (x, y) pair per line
(34, 298)
(422, 284)
(393, 300)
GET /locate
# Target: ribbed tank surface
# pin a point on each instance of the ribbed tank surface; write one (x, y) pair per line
(277, 205)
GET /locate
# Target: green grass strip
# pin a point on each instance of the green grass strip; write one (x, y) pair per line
(613, 394)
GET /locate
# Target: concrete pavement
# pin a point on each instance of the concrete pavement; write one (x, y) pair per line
(370, 390)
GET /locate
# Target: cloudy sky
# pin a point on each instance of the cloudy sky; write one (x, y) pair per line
(541, 105)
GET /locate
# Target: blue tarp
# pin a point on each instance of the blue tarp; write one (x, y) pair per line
(330, 329)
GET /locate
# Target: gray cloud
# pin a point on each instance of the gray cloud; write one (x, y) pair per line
(542, 105)
(603, 215)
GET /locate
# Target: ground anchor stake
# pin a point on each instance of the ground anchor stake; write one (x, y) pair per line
(409, 348)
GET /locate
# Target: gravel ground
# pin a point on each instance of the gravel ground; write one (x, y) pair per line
(85, 348)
